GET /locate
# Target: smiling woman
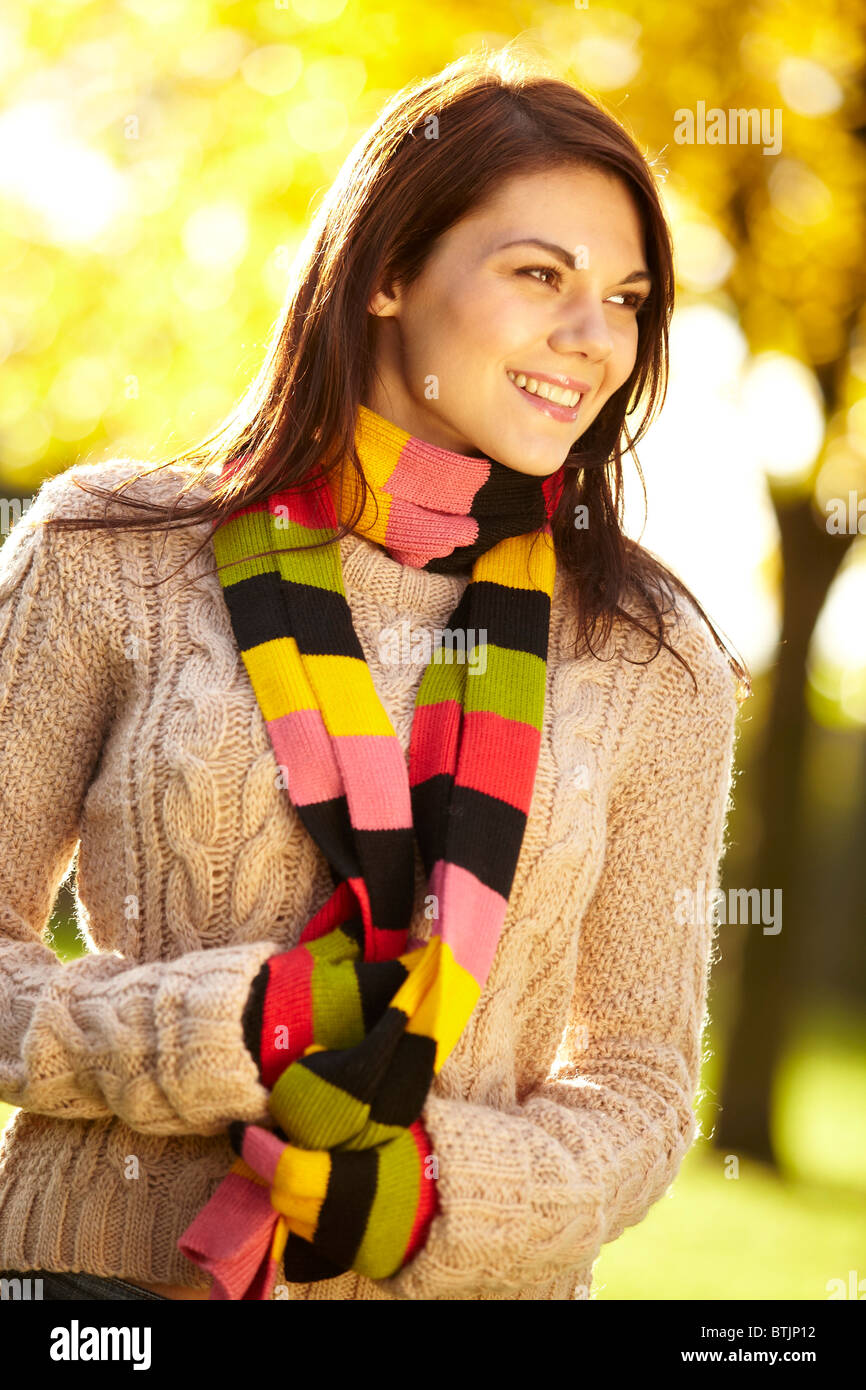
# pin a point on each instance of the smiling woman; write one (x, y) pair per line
(388, 995)
(478, 317)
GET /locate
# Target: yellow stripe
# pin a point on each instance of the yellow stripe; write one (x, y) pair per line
(300, 1183)
(281, 1235)
(347, 696)
(438, 998)
(278, 678)
(340, 686)
(520, 562)
(380, 448)
(373, 522)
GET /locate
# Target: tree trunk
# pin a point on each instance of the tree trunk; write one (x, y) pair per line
(811, 557)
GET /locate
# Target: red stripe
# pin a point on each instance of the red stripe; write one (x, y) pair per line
(386, 945)
(428, 1198)
(313, 508)
(552, 487)
(288, 1005)
(252, 509)
(434, 740)
(362, 899)
(510, 775)
(341, 905)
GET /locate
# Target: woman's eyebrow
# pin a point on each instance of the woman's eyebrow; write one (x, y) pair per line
(562, 255)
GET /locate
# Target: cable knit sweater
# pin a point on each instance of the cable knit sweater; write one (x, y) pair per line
(129, 730)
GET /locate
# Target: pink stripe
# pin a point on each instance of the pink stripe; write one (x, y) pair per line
(231, 1237)
(262, 1150)
(302, 746)
(463, 899)
(425, 535)
(433, 478)
(434, 740)
(377, 782)
(511, 776)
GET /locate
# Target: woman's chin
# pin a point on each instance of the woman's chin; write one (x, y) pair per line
(531, 461)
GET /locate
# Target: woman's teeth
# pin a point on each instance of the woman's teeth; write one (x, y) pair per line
(557, 394)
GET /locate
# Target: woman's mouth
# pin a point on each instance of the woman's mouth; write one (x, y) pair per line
(548, 397)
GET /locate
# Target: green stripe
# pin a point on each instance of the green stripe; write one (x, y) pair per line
(443, 680)
(317, 1114)
(243, 536)
(334, 946)
(392, 1213)
(372, 1133)
(312, 1112)
(513, 685)
(322, 568)
(338, 1019)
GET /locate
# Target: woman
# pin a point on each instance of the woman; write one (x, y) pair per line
(481, 1052)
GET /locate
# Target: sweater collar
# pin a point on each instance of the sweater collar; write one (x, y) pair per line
(368, 569)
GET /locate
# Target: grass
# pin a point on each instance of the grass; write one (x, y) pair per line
(763, 1235)
(756, 1236)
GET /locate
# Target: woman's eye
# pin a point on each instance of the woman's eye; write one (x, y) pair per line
(544, 270)
(633, 299)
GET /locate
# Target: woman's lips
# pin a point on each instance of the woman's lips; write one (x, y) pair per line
(568, 414)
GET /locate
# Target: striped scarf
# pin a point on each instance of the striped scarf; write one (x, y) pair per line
(351, 1026)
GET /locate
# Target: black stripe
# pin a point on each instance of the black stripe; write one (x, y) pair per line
(481, 833)
(253, 1015)
(430, 800)
(360, 1070)
(518, 619)
(387, 859)
(485, 836)
(329, 825)
(304, 1264)
(509, 503)
(346, 1208)
(378, 982)
(236, 1132)
(403, 1091)
(383, 858)
(264, 607)
(256, 609)
(353, 928)
(321, 621)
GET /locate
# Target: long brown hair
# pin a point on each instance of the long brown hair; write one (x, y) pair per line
(439, 147)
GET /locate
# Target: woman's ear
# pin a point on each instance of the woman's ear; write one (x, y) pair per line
(385, 302)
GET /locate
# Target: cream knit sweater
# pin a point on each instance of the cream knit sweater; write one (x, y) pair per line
(128, 723)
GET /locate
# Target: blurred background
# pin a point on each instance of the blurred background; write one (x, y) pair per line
(159, 162)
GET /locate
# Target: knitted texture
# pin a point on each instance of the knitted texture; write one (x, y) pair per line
(368, 1025)
(129, 728)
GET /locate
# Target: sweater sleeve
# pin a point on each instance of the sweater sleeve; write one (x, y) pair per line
(159, 1044)
(529, 1194)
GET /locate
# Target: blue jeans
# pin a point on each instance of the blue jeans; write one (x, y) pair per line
(72, 1286)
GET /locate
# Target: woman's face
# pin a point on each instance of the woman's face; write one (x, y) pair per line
(483, 315)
